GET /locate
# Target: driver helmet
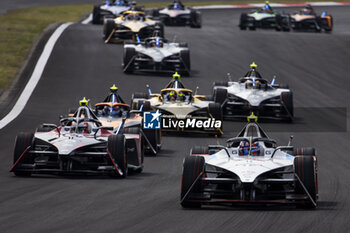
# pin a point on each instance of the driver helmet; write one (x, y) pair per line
(113, 111)
(255, 149)
(172, 96)
(84, 127)
(119, 2)
(249, 84)
(244, 148)
(308, 10)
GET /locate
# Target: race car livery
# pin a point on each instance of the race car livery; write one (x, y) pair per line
(109, 9)
(250, 169)
(156, 54)
(254, 94)
(176, 104)
(265, 18)
(177, 14)
(80, 145)
(131, 25)
(307, 19)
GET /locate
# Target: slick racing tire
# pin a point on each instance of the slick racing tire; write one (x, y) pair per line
(155, 13)
(140, 95)
(220, 95)
(154, 136)
(305, 168)
(136, 130)
(200, 150)
(215, 110)
(287, 100)
(185, 58)
(108, 27)
(195, 19)
(220, 83)
(22, 142)
(304, 151)
(129, 54)
(242, 22)
(192, 168)
(146, 105)
(96, 15)
(116, 147)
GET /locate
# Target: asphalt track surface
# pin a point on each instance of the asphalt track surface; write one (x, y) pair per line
(316, 66)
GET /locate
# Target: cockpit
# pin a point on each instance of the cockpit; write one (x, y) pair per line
(154, 42)
(254, 83)
(134, 16)
(176, 95)
(252, 141)
(111, 109)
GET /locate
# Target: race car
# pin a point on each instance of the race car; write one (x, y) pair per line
(265, 17)
(307, 19)
(254, 94)
(177, 14)
(250, 169)
(131, 25)
(111, 113)
(109, 9)
(181, 110)
(156, 54)
(80, 145)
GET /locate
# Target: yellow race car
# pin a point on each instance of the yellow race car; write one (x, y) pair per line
(181, 110)
(131, 25)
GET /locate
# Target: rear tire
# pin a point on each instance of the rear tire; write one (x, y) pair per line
(154, 137)
(215, 110)
(185, 57)
(22, 142)
(140, 95)
(129, 54)
(304, 167)
(220, 83)
(193, 166)
(304, 151)
(96, 15)
(195, 19)
(287, 100)
(242, 21)
(220, 95)
(116, 147)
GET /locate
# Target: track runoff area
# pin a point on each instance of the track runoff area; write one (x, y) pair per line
(107, 205)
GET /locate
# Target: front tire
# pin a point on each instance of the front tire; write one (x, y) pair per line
(185, 58)
(108, 28)
(22, 142)
(287, 100)
(192, 168)
(96, 15)
(116, 147)
(305, 168)
(129, 54)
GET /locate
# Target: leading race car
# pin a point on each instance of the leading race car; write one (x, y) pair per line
(250, 169)
(112, 111)
(176, 104)
(131, 25)
(252, 93)
(177, 14)
(156, 54)
(307, 19)
(109, 9)
(79, 145)
(265, 18)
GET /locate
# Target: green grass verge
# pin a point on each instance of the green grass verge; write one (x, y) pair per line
(19, 29)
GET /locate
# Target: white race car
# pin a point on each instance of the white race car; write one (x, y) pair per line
(252, 93)
(250, 169)
(109, 9)
(177, 14)
(156, 54)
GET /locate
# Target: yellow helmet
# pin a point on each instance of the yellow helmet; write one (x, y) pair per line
(83, 102)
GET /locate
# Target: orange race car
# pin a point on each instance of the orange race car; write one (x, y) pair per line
(307, 19)
(110, 113)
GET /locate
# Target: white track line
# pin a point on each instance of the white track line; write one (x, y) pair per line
(87, 20)
(34, 79)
